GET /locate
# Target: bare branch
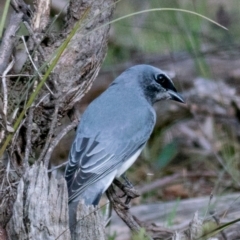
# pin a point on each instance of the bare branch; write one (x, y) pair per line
(28, 137)
(6, 47)
(4, 85)
(57, 167)
(4, 103)
(50, 134)
(55, 142)
(41, 16)
(35, 39)
(123, 213)
(173, 178)
(21, 7)
(34, 65)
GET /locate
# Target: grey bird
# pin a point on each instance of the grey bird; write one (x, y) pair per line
(114, 130)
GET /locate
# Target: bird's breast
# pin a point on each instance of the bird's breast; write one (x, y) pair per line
(128, 163)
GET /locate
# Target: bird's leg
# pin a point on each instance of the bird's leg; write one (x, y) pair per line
(127, 188)
(127, 181)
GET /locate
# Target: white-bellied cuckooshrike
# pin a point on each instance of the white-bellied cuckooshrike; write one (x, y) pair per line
(114, 130)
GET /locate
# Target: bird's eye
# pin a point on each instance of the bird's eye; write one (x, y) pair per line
(165, 82)
(161, 78)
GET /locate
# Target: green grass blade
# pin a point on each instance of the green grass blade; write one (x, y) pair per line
(161, 9)
(219, 229)
(4, 17)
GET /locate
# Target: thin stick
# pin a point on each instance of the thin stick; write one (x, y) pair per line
(41, 51)
(124, 214)
(55, 142)
(8, 40)
(18, 75)
(29, 138)
(4, 86)
(4, 104)
(58, 166)
(35, 67)
(50, 134)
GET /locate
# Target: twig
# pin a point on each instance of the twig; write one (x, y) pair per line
(167, 180)
(15, 136)
(124, 213)
(35, 67)
(29, 137)
(41, 15)
(7, 43)
(14, 114)
(36, 41)
(4, 86)
(21, 7)
(4, 104)
(49, 137)
(55, 142)
(18, 75)
(58, 166)
(7, 173)
(41, 99)
(30, 57)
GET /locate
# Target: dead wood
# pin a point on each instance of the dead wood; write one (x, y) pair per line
(41, 211)
(153, 217)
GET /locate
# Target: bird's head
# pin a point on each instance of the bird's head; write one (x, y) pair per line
(155, 84)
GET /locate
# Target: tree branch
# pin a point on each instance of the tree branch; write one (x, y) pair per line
(7, 44)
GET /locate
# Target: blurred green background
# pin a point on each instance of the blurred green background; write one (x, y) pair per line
(202, 136)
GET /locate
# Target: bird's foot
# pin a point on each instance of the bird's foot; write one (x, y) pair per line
(114, 198)
(128, 190)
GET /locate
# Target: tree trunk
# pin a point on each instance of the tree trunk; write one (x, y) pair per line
(34, 205)
(41, 210)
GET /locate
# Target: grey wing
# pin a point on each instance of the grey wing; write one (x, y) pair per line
(91, 160)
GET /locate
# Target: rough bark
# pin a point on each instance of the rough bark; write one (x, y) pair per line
(90, 223)
(41, 211)
(67, 84)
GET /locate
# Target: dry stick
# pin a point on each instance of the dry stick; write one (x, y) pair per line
(124, 214)
(50, 134)
(18, 75)
(37, 42)
(4, 106)
(58, 166)
(29, 138)
(55, 142)
(167, 180)
(4, 86)
(35, 67)
(7, 43)
(21, 7)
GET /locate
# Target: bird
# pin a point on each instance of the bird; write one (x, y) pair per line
(113, 131)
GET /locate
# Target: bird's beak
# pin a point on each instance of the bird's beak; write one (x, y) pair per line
(175, 96)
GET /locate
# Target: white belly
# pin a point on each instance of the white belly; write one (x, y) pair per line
(127, 164)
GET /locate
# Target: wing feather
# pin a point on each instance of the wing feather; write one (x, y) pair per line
(91, 160)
